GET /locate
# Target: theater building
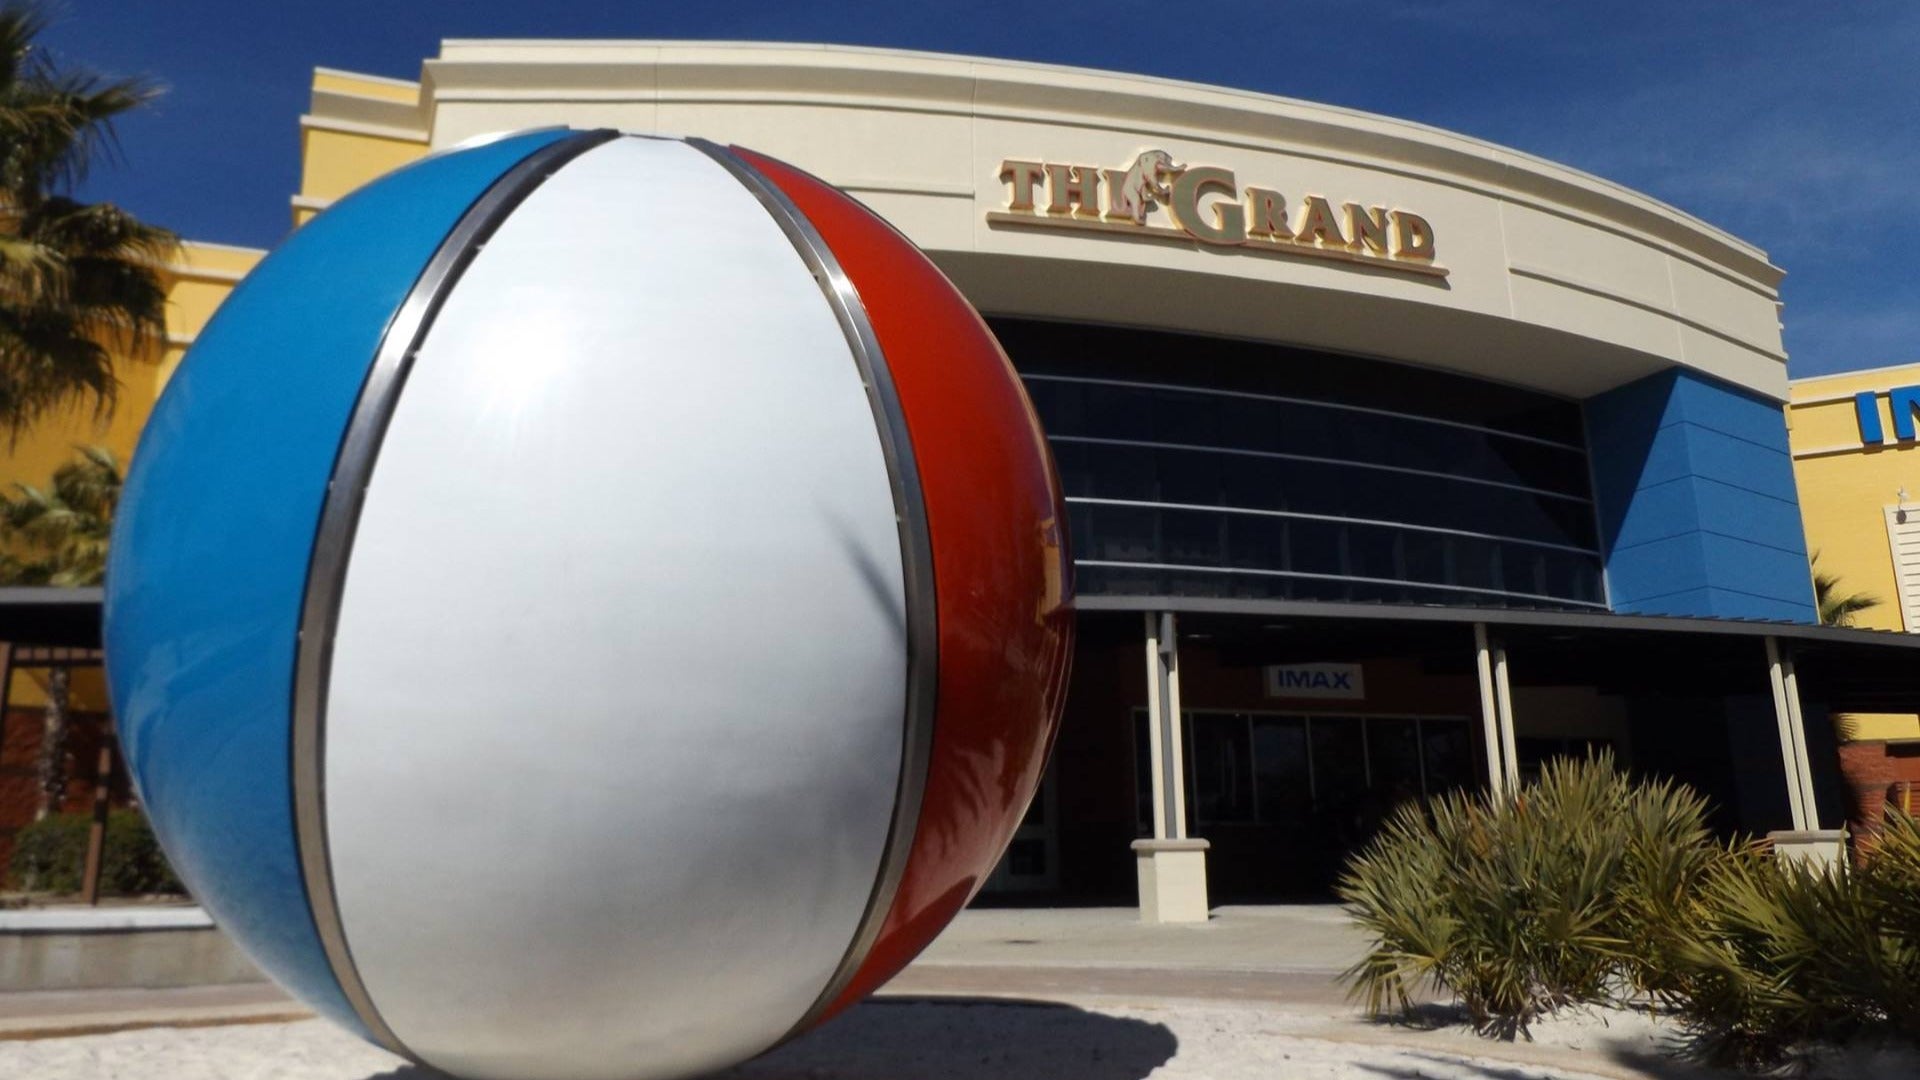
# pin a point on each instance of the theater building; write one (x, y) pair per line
(1396, 461)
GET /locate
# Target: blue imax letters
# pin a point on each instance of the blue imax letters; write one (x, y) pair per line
(1866, 405)
(1902, 402)
(1315, 680)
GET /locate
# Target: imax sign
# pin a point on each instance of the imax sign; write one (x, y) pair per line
(1902, 401)
(1316, 681)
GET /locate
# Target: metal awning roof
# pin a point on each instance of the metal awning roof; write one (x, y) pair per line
(50, 615)
(1798, 633)
(1845, 668)
(55, 616)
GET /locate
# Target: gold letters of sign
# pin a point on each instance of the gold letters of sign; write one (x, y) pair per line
(1207, 204)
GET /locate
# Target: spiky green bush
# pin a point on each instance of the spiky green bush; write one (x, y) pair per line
(1520, 906)
(1591, 888)
(50, 856)
(1781, 955)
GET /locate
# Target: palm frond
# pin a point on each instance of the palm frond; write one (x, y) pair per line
(1836, 608)
(58, 535)
(79, 283)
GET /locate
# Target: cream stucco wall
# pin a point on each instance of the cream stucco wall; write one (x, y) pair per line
(1557, 280)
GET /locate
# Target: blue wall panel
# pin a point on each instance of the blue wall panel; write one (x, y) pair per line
(1693, 483)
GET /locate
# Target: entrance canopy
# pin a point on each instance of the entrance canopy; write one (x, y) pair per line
(1842, 668)
(50, 616)
(1251, 703)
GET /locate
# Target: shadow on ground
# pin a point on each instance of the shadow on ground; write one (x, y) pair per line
(909, 1038)
(1663, 1061)
(952, 1038)
(1423, 1066)
(1424, 1016)
(1453, 1067)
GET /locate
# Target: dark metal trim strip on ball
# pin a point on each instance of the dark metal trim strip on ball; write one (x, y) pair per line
(916, 558)
(333, 544)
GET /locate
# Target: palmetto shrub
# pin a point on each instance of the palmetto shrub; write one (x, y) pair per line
(1779, 956)
(1592, 888)
(1558, 894)
(50, 856)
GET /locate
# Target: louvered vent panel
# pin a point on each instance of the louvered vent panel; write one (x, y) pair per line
(1903, 536)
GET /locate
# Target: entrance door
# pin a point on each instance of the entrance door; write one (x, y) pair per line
(1032, 861)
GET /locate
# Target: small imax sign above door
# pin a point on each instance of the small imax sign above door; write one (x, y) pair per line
(1316, 681)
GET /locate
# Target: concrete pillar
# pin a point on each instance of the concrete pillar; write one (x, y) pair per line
(1496, 713)
(1503, 695)
(1806, 843)
(1489, 710)
(1819, 849)
(1166, 749)
(1791, 748)
(1172, 867)
(1173, 880)
(1790, 676)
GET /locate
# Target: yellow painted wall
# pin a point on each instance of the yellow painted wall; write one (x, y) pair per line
(335, 162)
(86, 689)
(196, 284)
(1845, 488)
(362, 127)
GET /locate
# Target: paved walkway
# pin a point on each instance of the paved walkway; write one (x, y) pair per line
(1273, 954)
(1296, 938)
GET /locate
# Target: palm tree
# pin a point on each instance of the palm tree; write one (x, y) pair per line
(1836, 608)
(78, 281)
(58, 536)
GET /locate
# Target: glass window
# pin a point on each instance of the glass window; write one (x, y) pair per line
(1393, 750)
(1142, 773)
(1124, 411)
(1282, 770)
(1145, 355)
(1119, 534)
(1027, 857)
(1192, 539)
(1221, 762)
(1446, 747)
(1341, 773)
(1339, 755)
(1438, 488)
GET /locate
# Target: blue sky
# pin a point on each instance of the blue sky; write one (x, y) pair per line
(1795, 126)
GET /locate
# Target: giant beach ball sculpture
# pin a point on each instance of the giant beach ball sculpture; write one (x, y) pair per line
(588, 606)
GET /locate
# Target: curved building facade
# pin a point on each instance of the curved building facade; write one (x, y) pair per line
(1418, 330)
(1395, 461)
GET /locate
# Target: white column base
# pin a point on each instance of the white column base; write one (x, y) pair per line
(1173, 880)
(1820, 849)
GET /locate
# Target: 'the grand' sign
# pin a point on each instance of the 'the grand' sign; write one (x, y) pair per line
(1207, 204)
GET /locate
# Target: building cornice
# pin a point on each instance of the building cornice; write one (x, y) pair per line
(187, 267)
(317, 122)
(686, 72)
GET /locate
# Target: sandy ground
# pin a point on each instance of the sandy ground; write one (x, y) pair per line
(955, 1039)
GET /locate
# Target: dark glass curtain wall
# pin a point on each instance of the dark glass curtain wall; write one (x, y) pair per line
(1200, 466)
